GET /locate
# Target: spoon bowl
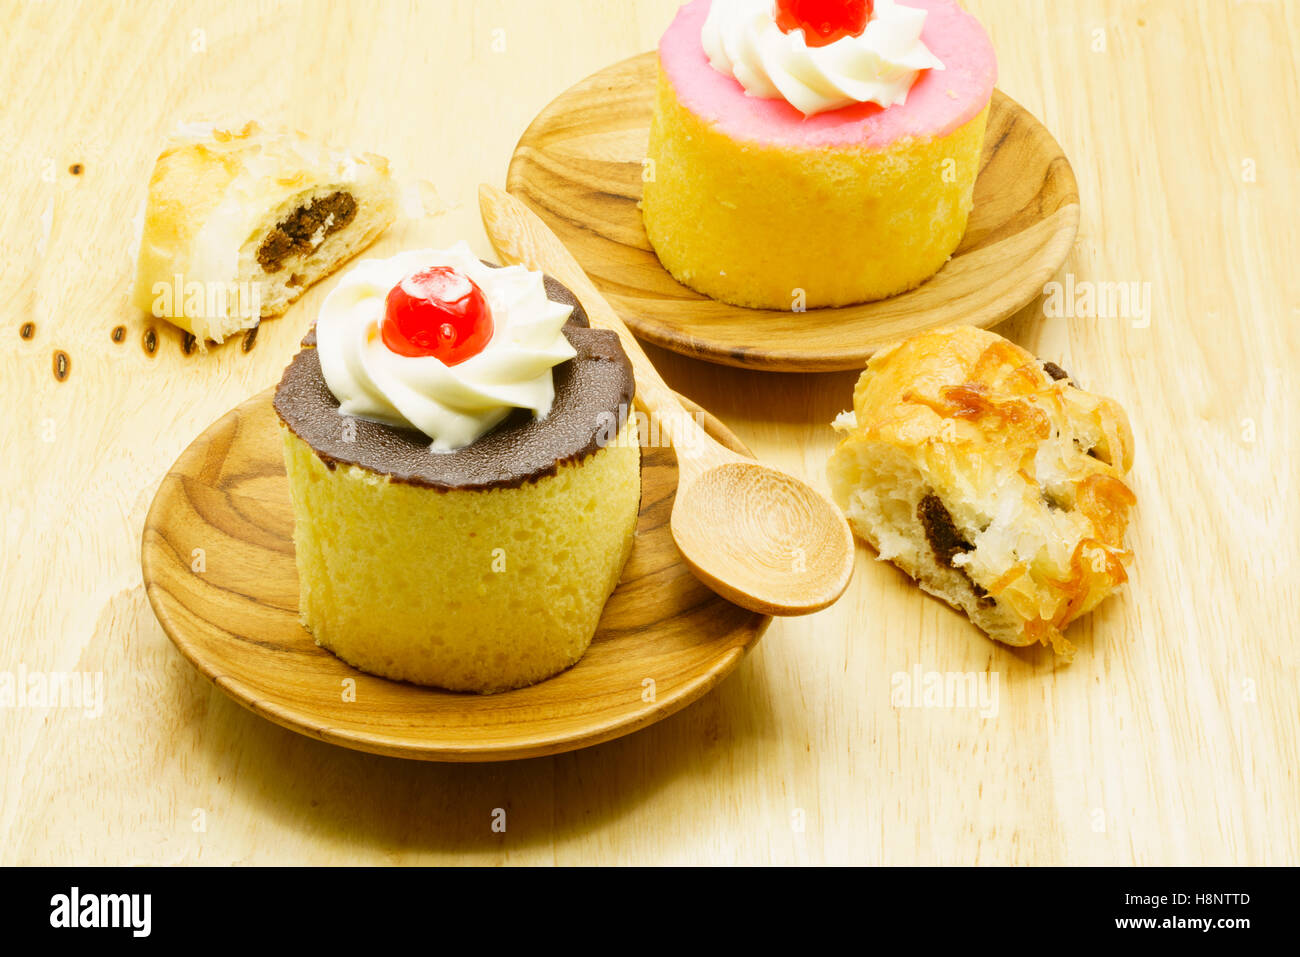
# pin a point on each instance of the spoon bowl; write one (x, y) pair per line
(762, 539)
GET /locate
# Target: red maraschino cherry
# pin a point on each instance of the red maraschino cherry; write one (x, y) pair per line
(824, 21)
(438, 311)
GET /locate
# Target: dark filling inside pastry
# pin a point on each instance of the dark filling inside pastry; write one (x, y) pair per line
(1055, 371)
(945, 541)
(293, 235)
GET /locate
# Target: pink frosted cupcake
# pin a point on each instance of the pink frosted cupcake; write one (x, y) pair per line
(815, 152)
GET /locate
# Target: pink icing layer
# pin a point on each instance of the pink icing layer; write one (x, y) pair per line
(939, 102)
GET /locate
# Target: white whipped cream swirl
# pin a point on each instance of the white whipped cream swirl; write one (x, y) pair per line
(742, 40)
(452, 405)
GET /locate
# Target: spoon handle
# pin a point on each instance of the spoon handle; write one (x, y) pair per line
(520, 237)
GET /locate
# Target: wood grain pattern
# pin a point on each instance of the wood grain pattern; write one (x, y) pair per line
(219, 570)
(579, 165)
(1172, 739)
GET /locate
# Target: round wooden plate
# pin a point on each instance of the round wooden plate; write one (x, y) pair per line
(579, 166)
(219, 569)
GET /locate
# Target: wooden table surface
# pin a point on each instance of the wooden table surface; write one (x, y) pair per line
(1172, 738)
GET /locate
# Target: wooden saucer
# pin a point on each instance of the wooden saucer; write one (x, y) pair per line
(219, 570)
(579, 166)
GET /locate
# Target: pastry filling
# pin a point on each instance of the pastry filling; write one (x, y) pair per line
(945, 540)
(303, 230)
(1055, 371)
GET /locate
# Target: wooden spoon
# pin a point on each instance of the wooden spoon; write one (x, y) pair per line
(755, 535)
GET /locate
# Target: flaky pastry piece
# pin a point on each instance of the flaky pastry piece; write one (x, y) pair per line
(990, 478)
(240, 222)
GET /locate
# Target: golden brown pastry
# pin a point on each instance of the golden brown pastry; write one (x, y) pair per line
(239, 223)
(990, 478)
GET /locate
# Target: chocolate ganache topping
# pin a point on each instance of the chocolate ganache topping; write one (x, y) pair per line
(589, 389)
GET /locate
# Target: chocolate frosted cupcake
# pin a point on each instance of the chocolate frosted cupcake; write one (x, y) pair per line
(461, 516)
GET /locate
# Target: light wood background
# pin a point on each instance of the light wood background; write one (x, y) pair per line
(1171, 739)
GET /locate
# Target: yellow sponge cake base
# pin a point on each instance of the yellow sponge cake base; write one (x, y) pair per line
(775, 227)
(469, 590)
